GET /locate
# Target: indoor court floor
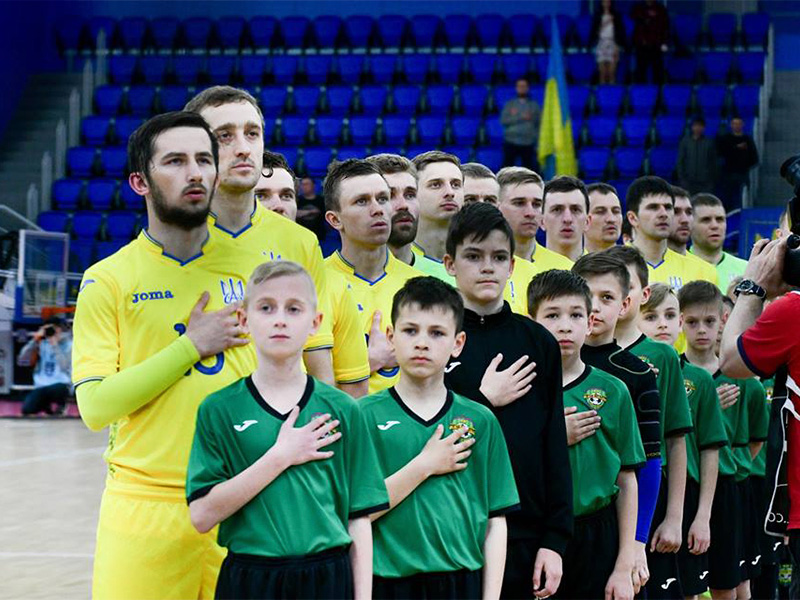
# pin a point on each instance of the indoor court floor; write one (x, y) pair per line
(51, 480)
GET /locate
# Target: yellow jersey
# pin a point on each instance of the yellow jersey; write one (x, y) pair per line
(270, 236)
(371, 296)
(676, 270)
(700, 269)
(544, 259)
(429, 265)
(350, 358)
(516, 292)
(132, 305)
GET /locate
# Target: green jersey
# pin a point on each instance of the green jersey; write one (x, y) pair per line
(728, 268)
(735, 418)
(755, 424)
(597, 460)
(709, 429)
(441, 526)
(430, 266)
(676, 418)
(306, 509)
(759, 467)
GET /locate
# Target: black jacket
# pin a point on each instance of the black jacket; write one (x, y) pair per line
(533, 425)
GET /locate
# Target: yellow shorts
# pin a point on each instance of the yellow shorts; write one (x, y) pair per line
(147, 548)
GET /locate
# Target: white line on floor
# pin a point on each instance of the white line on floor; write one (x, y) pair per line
(49, 457)
(44, 555)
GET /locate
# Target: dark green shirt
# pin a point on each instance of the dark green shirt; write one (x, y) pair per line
(759, 467)
(735, 418)
(756, 424)
(306, 509)
(709, 428)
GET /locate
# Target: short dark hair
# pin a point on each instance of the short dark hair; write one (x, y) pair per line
(627, 228)
(554, 284)
(434, 156)
(518, 176)
(389, 164)
(221, 94)
(428, 293)
(602, 188)
(680, 192)
(704, 199)
(477, 171)
(477, 221)
(603, 263)
(698, 119)
(565, 183)
(338, 172)
(141, 144)
(630, 255)
(275, 160)
(699, 292)
(649, 185)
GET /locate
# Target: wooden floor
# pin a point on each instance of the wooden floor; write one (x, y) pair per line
(51, 479)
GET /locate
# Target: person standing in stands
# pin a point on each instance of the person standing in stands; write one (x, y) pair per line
(738, 153)
(697, 160)
(608, 38)
(650, 35)
(311, 208)
(520, 119)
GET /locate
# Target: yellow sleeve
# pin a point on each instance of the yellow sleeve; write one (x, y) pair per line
(350, 357)
(313, 263)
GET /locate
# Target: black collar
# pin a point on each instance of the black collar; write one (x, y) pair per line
(580, 378)
(473, 318)
(448, 402)
(265, 405)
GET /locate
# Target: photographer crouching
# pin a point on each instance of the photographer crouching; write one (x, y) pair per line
(49, 352)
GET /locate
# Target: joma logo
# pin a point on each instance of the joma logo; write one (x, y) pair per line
(156, 295)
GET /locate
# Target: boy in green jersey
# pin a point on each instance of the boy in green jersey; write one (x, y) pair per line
(279, 444)
(444, 458)
(599, 561)
(706, 446)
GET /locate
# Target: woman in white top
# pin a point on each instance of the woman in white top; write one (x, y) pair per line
(608, 37)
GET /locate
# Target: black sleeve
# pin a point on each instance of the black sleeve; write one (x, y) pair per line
(597, 18)
(647, 403)
(620, 34)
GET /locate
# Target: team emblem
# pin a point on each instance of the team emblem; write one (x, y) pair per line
(460, 422)
(690, 386)
(768, 391)
(595, 397)
(332, 431)
(646, 361)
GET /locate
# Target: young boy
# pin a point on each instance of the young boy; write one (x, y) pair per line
(445, 462)
(495, 368)
(731, 549)
(707, 448)
(600, 558)
(609, 281)
(283, 462)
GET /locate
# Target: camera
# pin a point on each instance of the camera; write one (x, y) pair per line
(49, 331)
(790, 171)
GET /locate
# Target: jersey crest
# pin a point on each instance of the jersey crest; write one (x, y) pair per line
(595, 397)
(690, 386)
(232, 290)
(461, 422)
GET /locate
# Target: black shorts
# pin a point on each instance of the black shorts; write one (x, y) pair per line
(665, 581)
(591, 555)
(768, 544)
(518, 575)
(326, 575)
(693, 568)
(751, 554)
(450, 585)
(725, 551)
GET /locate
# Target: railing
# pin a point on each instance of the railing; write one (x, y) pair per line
(11, 213)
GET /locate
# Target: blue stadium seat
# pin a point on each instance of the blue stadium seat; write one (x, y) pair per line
(121, 224)
(458, 30)
(582, 31)
(516, 66)
(593, 161)
(81, 255)
(372, 99)
(252, 67)
(130, 199)
(289, 153)
(416, 67)
(716, 66)
(755, 29)
(481, 67)
(362, 130)
(384, 149)
(523, 29)
(305, 99)
(295, 130)
(231, 32)
(164, 31)
(187, 68)
(564, 23)
(472, 99)
(382, 67)
(621, 185)
(681, 69)
(327, 29)
(581, 67)
(489, 28)
(494, 131)
(122, 68)
(318, 68)
(271, 129)
(676, 98)
(114, 161)
(714, 125)
(68, 33)
(662, 161)
(669, 130)
(502, 94)
(328, 130)
(609, 99)
(173, 97)
(345, 152)
(106, 249)
(430, 130)
(722, 29)
(439, 99)
(750, 66)
(686, 28)
(81, 161)
(391, 30)
(629, 161)
(294, 30)
(643, 99)
(578, 99)
(141, 100)
(601, 131)
(86, 224)
(221, 68)
(405, 99)
(100, 193)
(339, 99)
(153, 68)
(125, 126)
(464, 153)
(711, 99)
(95, 24)
(53, 220)
(94, 130)
(350, 68)
(424, 29)
(635, 130)
(358, 29)
(396, 129)
(284, 68)
(262, 31)
(465, 130)
(448, 67)
(316, 161)
(132, 31)
(197, 30)
(66, 193)
(416, 149)
(491, 157)
(746, 100)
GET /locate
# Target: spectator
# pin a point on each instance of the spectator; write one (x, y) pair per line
(738, 153)
(49, 352)
(520, 120)
(697, 160)
(608, 38)
(651, 28)
(311, 208)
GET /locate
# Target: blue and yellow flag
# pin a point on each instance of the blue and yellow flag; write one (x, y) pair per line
(556, 148)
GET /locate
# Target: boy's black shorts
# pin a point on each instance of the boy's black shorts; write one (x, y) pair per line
(520, 558)
(326, 575)
(451, 585)
(751, 553)
(591, 555)
(725, 551)
(665, 582)
(693, 568)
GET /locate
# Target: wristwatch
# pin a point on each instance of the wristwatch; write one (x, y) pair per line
(749, 287)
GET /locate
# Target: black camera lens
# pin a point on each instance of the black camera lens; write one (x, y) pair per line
(49, 331)
(790, 171)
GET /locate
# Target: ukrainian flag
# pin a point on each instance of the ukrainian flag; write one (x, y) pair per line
(556, 148)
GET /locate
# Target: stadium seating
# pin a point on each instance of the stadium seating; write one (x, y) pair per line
(100, 193)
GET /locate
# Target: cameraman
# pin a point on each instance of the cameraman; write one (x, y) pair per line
(49, 351)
